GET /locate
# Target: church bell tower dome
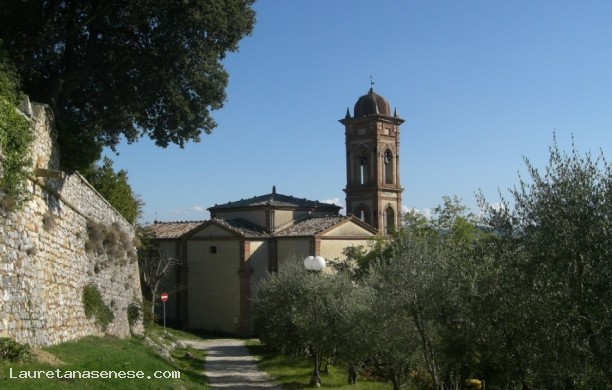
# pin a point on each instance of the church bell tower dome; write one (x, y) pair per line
(371, 104)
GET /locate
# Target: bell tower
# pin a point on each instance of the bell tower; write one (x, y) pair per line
(373, 191)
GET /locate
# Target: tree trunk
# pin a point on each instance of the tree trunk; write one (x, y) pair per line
(396, 383)
(153, 297)
(428, 352)
(352, 374)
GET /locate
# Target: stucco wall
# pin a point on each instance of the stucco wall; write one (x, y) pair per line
(44, 261)
(214, 285)
(258, 262)
(299, 247)
(332, 249)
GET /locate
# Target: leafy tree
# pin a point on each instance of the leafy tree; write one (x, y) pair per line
(358, 259)
(115, 188)
(523, 304)
(415, 221)
(112, 69)
(280, 296)
(428, 285)
(15, 138)
(386, 337)
(560, 276)
(451, 213)
(299, 312)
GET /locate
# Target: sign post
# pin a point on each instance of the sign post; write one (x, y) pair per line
(164, 298)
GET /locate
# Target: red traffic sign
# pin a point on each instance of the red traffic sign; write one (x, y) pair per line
(164, 297)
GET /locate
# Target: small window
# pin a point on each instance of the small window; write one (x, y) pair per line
(212, 250)
(388, 170)
(363, 161)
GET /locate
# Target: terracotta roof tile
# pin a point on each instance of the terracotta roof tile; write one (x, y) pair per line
(242, 227)
(274, 199)
(310, 226)
(169, 230)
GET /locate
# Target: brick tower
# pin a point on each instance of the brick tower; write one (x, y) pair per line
(373, 191)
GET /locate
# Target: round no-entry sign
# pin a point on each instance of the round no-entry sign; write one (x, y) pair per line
(164, 297)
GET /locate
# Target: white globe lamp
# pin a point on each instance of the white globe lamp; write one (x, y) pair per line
(314, 263)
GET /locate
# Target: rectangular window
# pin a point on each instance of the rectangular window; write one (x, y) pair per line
(212, 250)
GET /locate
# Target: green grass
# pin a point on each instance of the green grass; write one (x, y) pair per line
(111, 354)
(294, 372)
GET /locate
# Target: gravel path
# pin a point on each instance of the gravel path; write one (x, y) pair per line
(230, 366)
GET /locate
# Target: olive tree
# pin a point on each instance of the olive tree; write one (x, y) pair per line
(314, 314)
(559, 276)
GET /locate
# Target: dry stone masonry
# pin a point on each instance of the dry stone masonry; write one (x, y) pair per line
(45, 259)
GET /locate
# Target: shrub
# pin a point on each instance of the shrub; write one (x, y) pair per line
(13, 351)
(95, 307)
(148, 317)
(133, 313)
(110, 240)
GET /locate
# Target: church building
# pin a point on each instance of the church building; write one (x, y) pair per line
(224, 258)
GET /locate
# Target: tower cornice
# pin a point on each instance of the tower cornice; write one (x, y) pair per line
(364, 119)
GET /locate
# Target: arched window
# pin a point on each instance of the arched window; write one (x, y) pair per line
(389, 220)
(388, 167)
(362, 169)
(363, 213)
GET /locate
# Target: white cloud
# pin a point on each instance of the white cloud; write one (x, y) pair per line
(194, 209)
(199, 209)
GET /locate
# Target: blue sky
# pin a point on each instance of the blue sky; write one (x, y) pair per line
(480, 84)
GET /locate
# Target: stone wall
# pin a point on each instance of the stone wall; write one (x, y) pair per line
(47, 256)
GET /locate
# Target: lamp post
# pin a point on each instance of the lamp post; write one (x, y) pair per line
(315, 264)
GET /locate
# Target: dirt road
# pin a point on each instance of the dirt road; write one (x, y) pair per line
(230, 366)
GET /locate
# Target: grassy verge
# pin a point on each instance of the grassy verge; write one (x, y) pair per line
(109, 354)
(294, 372)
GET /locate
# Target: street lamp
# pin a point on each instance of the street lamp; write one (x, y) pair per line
(315, 264)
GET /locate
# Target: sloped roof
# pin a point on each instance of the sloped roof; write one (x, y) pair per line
(276, 200)
(311, 226)
(173, 230)
(242, 227)
(170, 230)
